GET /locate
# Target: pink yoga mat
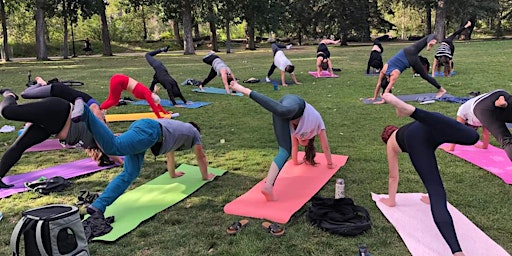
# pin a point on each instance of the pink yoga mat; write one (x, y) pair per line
(295, 185)
(414, 223)
(323, 74)
(47, 145)
(68, 170)
(492, 159)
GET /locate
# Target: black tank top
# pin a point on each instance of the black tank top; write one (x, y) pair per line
(400, 136)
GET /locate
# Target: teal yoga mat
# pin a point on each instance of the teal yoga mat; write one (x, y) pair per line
(143, 202)
(215, 91)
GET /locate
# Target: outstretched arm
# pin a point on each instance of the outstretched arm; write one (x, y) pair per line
(203, 164)
(224, 77)
(434, 67)
(171, 163)
(295, 150)
(294, 78)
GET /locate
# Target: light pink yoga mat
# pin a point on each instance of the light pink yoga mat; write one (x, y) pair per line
(492, 159)
(414, 223)
(295, 185)
(47, 145)
(323, 74)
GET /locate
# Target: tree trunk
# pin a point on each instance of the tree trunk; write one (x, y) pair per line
(197, 34)
(251, 45)
(144, 25)
(188, 42)
(176, 31)
(41, 51)
(213, 30)
(228, 37)
(65, 47)
(105, 34)
(428, 20)
(439, 30)
(3, 17)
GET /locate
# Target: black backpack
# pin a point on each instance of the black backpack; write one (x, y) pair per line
(338, 216)
(46, 186)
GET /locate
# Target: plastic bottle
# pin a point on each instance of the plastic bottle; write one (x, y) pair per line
(276, 86)
(339, 189)
(174, 115)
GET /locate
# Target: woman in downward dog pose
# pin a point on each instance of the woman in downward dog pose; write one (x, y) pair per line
(420, 139)
(120, 82)
(295, 122)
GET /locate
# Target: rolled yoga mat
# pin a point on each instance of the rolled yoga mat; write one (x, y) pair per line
(134, 116)
(294, 187)
(143, 202)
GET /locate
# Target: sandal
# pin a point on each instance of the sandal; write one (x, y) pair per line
(86, 198)
(273, 228)
(236, 227)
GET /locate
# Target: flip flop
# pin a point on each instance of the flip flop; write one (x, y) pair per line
(236, 227)
(273, 228)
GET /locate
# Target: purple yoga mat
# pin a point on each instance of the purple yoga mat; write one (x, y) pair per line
(50, 144)
(68, 170)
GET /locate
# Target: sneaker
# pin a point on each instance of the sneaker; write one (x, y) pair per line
(288, 47)
(78, 110)
(165, 49)
(91, 210)
(5, 92)
(267, 80)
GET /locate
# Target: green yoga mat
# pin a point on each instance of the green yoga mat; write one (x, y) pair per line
(141, 203)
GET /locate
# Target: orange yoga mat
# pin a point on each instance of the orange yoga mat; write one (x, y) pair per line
(295, 185)
(133, 116)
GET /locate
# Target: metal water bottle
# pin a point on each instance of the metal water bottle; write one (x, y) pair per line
(339, 189)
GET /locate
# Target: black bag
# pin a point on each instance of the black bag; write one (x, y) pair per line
(46, 186)
(338, 216)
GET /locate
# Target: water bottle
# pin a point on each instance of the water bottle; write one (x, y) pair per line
(174, 115)
(276, 86)
(340, 189)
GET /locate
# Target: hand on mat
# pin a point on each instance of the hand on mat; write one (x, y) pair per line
(177, 174)
(94, 154)
(285, 84)
(298, 162)
(480, 146)
(237, 226)
(117, 159)
(388, 202)
(425, 199)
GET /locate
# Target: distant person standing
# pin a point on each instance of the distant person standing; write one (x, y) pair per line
(87, 47)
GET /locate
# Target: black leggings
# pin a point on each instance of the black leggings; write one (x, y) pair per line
(56, 89)
(275, 48)
(495, 119)
(209, 60)
(411, 53)
(48, 116)
(163, 77)
(422, 139)
(449, 40)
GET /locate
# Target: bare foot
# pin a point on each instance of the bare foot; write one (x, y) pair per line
(425, 199)
(268, 192)
(440, 93)
(177, 174)
(468, 24)
(402, 108)
(501, 102)
(239, 88)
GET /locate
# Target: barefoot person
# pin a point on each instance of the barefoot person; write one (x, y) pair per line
(295, 122)
(405, 58)
(282, 63)
(492, 111)
(219, 68)
(420, 139)
(323, 57)
(444, 53)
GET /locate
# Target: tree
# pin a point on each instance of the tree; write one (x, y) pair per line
(41, 51)
(3, 17)
(188, 40)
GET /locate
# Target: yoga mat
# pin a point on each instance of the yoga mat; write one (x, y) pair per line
(168, 103)
(372, 74)
(141, 203)
(410, 97)
(414, 223)
(68, 170)
(323, 74)
(215, 91)
(47, 145)
(492, 159)
(294, 187)
(441, 73)
(134, 116)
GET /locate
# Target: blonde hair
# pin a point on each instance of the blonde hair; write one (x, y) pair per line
(156, 98)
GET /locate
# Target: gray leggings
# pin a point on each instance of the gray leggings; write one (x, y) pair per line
(495, 119)
(288, 108)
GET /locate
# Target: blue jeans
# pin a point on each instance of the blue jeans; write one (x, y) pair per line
(141, 135)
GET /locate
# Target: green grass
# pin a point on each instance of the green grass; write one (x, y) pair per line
(196, 226)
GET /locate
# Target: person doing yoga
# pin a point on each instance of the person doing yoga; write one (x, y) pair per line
(420, 139)
(219, 68)
(445, 51)
(48, 117)
(295, 122)
(162, 136)
(163, 77)
(120, 82)
(492, 111)
(407, 57)
(323, 56)
(375, 60)
(282, 63)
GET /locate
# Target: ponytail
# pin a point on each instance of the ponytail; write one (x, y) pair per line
(309, 157)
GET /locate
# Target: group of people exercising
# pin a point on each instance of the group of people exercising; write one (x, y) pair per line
(76, 118)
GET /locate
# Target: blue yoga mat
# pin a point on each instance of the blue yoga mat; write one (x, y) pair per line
(440, 73)
(410, 97)
(215, 91)
(167, 103)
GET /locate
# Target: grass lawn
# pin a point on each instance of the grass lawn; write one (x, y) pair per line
(197, 225)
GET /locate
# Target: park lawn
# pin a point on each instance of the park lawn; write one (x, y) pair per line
(196, 226)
